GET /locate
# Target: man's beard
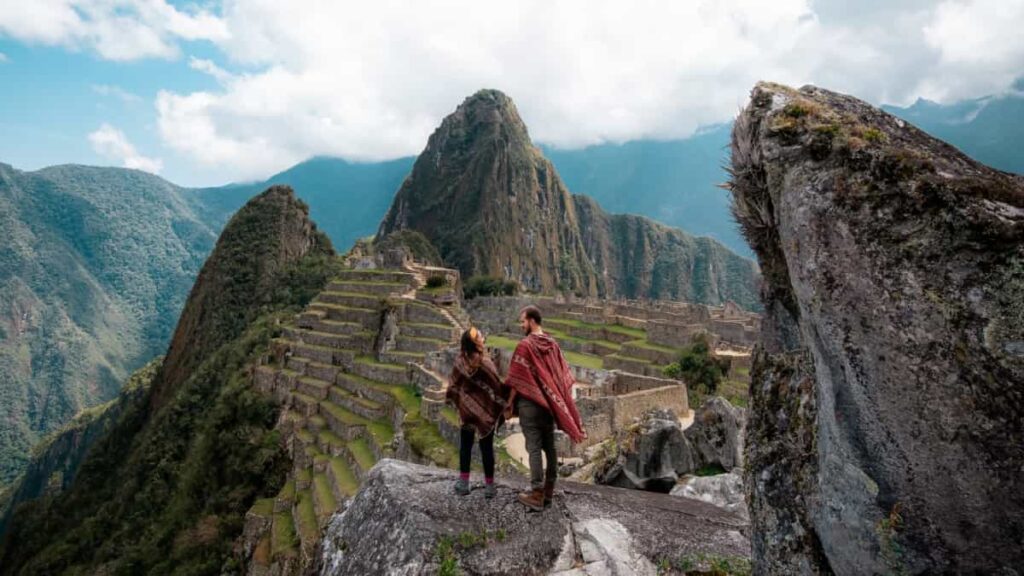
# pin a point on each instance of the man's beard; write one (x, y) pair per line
(526, 331)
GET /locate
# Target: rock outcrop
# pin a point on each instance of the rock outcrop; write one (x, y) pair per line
(266, 236)
(406, 520)
(657, 452)
(723, 490)
(492, 204)
(887, 407)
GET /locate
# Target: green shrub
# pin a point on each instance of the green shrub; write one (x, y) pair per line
(489, 286)
(436, 282)
(698, 367)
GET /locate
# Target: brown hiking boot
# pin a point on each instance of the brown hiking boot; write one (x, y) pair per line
(549, 492)
(534, 499)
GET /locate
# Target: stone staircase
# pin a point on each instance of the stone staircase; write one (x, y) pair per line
(348, 400)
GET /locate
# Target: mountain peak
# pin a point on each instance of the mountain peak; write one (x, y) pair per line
(492, 204)
(487, 116)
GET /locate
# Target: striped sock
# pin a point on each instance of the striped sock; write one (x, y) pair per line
(488, 480)
(464, 476)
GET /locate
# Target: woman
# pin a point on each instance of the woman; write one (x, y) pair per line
(476, 391)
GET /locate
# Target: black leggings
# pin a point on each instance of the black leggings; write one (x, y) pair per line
(466, 451)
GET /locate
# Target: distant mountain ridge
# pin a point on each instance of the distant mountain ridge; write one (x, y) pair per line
(493, 205)
(94, 267)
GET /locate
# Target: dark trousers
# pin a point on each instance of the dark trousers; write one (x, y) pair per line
(466, 451)
(539, 429)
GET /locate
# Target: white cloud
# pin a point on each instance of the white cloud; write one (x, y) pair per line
(372, 81)
(116, 92)
(211, 68)
(115, 29)
(981, 46)
(111, 143)
(3, 58)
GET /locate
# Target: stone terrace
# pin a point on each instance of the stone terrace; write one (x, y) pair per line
(349, 375)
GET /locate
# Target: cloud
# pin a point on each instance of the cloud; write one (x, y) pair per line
(4, 58)
(116, 92)
(111, 143)
(211, 68)
(980, 45)
(114, 29)
(372, 81)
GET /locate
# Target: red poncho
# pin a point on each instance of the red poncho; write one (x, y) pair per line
(539, 372)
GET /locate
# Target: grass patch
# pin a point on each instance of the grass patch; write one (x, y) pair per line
(426, 440)
(363, 455)
(450, 415)
(308, 527)
(263, 507)
(322, 486)
(343, 476)
(284, 538)
(584, 360)
(651, 346)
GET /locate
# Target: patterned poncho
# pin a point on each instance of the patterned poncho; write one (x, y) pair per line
(539, 372)
(477, 393)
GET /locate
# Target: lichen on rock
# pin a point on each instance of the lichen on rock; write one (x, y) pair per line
(887, 410)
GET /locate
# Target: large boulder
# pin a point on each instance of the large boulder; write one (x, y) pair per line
(657, 451)
(716, 435)
(722, 490)
(406, 520)
(886, 431)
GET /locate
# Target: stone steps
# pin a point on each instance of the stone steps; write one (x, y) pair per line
(284, 541)
(304, 404)
(376, 391)
(423, 313)
(380, 288)
(309, 336)
(343, 422)
(325, 372)
(364, 407)
(324, 502)
(322, 354)
(286, 497)
(351, 299)
(444, 332)
(330, 443)
(418, 344)
(313, 387)
(306, 525)
(376, 276)
(400, 359)
(362, 457)
(368, 318)
(381, 372)
(632, 365)
(334, 326)
(296, 364)
(660, 356)
(343, 480)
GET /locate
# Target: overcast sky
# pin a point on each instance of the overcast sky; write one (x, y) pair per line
(211, 92)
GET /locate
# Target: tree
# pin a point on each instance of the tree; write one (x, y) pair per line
(698, 367)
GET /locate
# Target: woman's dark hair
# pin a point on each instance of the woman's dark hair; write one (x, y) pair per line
(468, 345)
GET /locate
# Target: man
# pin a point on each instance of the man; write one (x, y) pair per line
(542, 392)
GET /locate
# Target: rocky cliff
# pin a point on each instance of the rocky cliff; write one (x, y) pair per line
(406, 520)
(492, 204)
(887, 417)
(167, 487)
